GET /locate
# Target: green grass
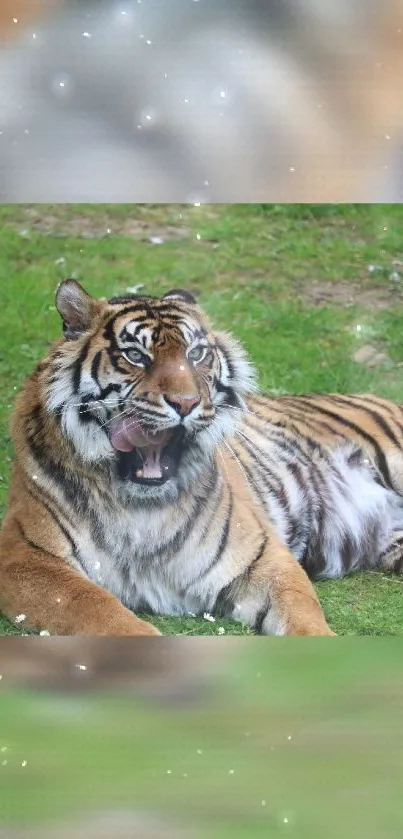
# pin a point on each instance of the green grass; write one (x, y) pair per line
(278, 276)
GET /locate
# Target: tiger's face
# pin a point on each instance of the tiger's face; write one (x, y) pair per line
(144, 382)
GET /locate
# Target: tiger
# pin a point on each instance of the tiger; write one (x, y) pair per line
(152, 477)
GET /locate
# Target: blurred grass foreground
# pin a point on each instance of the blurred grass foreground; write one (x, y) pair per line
(278, 738)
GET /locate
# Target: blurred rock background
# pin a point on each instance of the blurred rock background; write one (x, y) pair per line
(199, 100)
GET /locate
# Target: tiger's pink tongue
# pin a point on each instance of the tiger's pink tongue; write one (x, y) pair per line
(126, 435)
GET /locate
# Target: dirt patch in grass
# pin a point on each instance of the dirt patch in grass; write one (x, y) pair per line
(97, 227)
(349, 295)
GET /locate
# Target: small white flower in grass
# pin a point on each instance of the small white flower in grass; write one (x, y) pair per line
(231, 772)
(24, 763)
(169, 771)
(44, 633)
(208, 617)
(198, 237)
(263, 803)
(285, 820)
(199, 751)
(20, 618)
(221, 630)
(289, 737)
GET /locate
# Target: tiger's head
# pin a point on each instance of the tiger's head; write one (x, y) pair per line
(143, 382)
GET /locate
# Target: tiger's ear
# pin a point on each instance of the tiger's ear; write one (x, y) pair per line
(180, 294)
(76, 308)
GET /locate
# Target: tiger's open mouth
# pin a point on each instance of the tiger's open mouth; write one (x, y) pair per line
(145, 457)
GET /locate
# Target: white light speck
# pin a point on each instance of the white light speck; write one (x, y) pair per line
(199, 751)
(231, 772)
(15, 19)
(198, 237)
(263, 803)
(223, 94)
(285, 820)
(20, 618)
(165, 75)
(26, 131)
(206, 183)
(196, 203)
(292, 168)
(34, 36)
(358, 327)
(87, 35)
(387, 136)
(149, 43)
(289, 737)
(97, 565)
(169, 771)
(24, 763)
(81, 666)
(34, 477)
(185, 774)
(44, 633)
(182, 367)
(58, 600)
(384, 228)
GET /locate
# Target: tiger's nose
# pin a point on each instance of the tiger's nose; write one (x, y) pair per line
(183, 405)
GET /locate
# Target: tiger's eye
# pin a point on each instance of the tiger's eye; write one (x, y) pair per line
(197, 354)
(134, 356)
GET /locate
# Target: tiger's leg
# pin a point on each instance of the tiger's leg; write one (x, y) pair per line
(392, 559)
(274, 596)
(53, 596)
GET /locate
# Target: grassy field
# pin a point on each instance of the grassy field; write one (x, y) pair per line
(315, 292)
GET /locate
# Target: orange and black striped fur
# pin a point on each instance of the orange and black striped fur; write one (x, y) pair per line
(150, 476)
